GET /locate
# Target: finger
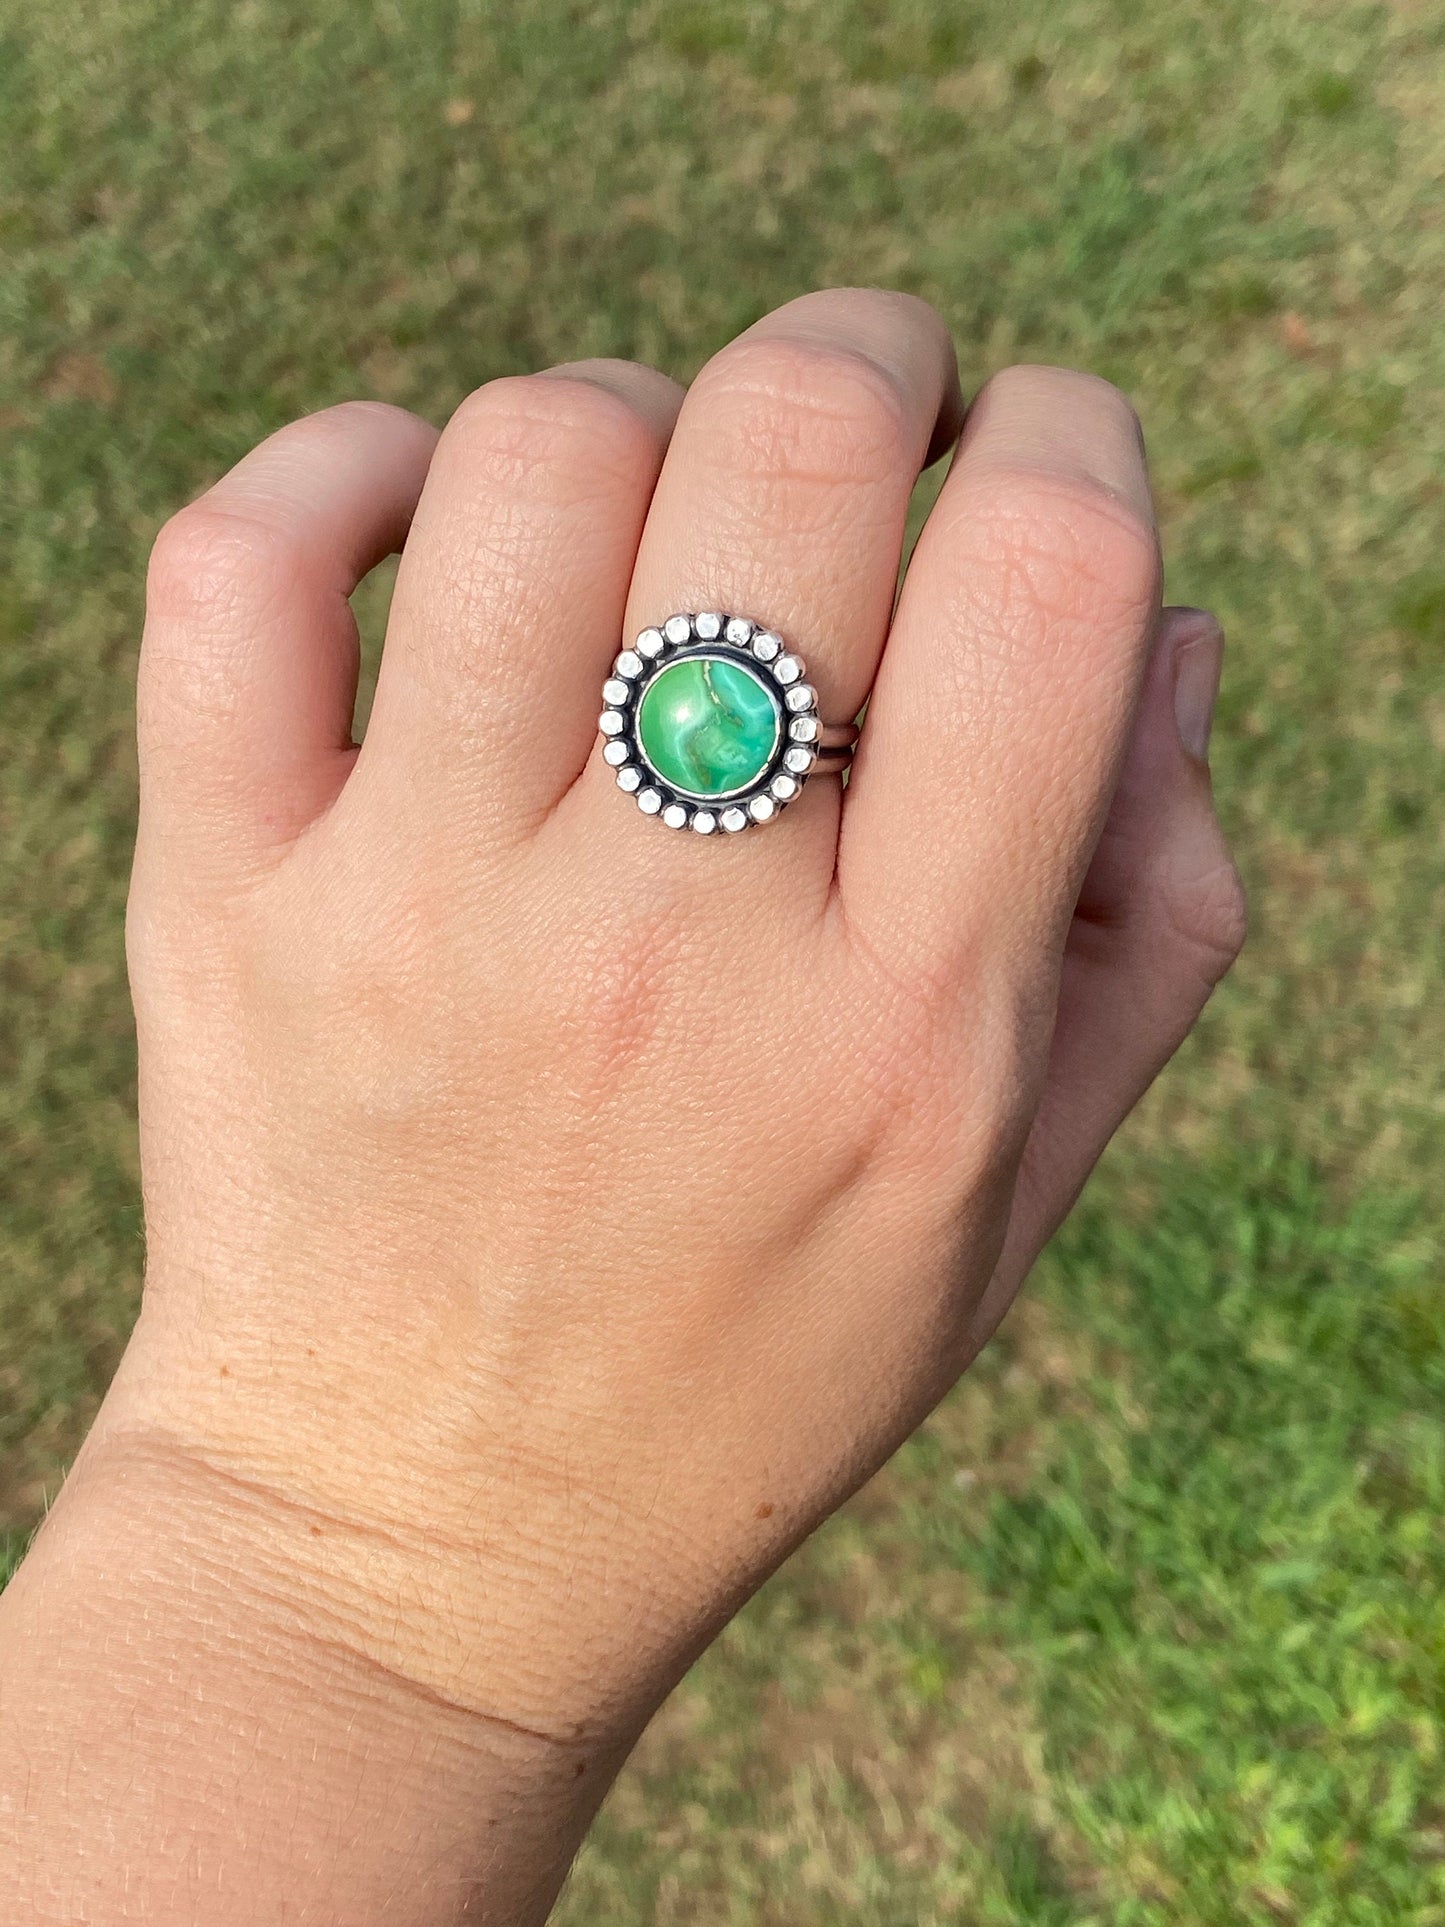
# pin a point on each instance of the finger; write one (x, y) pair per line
(1008, 685)
(1159, 920)
(248, 665)
(510, 596)
(785, 492)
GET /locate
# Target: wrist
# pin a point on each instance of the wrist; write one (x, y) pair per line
(186, 1680)
(462, 1553)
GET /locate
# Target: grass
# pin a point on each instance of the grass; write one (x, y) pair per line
(1144, 1627)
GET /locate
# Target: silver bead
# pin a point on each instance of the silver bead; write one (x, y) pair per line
(615, 753)
(611, 722)
(677, 629)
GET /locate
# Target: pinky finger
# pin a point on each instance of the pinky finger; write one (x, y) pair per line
(1160, 919)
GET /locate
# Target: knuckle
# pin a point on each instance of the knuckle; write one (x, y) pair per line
(346, 423)
(911, 311)
(362, 410)
(552, 439)
(209, 562)
(805, 411)
(1066, 390)
(1062, 546)
(1210, 918)
(214, 575)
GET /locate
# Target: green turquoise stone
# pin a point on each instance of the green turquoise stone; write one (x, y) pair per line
(709, 727)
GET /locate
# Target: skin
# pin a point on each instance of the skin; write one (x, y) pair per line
(552, 1218)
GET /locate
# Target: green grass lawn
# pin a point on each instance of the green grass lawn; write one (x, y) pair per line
(1147, 1625)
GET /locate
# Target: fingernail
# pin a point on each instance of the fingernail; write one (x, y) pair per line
(1198, 660)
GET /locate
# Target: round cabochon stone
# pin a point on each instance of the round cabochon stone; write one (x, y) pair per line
(709, 726)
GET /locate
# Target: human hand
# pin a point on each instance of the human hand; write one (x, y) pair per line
(551, 1218)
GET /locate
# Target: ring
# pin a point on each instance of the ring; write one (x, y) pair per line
(712, 724)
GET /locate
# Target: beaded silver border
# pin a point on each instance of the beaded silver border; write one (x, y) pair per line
(724, 638)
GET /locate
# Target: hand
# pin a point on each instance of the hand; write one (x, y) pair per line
(551, 1217)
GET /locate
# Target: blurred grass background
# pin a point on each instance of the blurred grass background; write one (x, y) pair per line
(1147, 1625)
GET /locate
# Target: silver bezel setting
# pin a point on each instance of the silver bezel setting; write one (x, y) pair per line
(722, 638)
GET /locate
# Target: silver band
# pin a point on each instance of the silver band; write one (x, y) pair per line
(790, 743)
(836, 744)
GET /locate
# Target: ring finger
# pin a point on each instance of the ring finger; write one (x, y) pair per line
(784, 495)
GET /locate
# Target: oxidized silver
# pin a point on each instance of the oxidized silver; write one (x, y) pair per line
(806, 746)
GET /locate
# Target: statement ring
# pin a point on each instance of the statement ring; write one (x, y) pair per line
(711, 724)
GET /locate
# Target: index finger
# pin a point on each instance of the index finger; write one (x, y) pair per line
(1009, 681)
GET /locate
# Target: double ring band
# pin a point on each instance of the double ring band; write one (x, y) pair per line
(711, 724)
